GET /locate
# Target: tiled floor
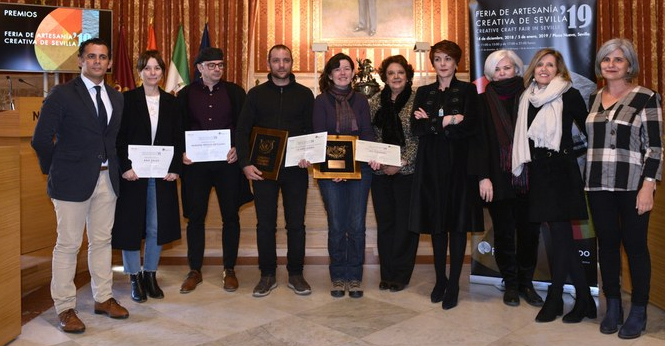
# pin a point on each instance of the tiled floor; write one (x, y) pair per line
(211, 316)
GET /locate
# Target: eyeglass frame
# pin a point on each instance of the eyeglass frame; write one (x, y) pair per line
(211, 65)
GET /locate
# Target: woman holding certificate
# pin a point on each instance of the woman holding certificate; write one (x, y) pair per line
(391, 111)
(147, 208)
(342, 111)
(444, 200)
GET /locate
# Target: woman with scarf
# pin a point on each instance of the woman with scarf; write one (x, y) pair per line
(444, 198)
(391, 185)
(543, 144)
(515, 238)
(341, 111)
(624, 118)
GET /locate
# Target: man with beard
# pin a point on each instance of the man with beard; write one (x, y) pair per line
(282, 104)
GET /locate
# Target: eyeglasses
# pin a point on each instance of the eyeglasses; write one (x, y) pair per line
(212, 65)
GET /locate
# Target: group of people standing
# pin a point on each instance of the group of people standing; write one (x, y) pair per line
(509, 148)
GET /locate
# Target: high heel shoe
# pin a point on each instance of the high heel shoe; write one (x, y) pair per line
(553, 306)
(449, 300)
(151, 286)
(585, 306)
(138, 290)
(613, 316)
(635, 324)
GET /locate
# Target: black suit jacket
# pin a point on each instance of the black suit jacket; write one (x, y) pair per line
(70, 143)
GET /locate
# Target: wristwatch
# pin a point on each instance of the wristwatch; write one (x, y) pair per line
(452, 120)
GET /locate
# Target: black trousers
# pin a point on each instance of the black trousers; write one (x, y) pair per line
(515, 241)
(293, 182)
(565, 259)
(198, 181)
(397, 246)
(617, 222)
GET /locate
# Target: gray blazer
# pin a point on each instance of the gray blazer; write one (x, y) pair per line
(71, 144)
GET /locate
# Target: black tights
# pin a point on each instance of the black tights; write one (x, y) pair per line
(440, 243)
(565, 259)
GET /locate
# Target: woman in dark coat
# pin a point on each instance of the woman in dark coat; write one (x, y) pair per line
(444, 200)
(147, 208)
(515, 238)
(543, 141)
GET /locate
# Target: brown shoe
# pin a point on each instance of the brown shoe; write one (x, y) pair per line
(230, 280)
(111, 308)
(70, 323)
(193, 279)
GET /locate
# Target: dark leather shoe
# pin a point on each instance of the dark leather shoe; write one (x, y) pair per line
(511, 297)
(151, 286)
(193, 279)
(530, 296)
(450, 298)
(111, 308)
(384, 285)
(138, 289)
(230, 280)
(437, 292)
(396, 287)
(70, 323)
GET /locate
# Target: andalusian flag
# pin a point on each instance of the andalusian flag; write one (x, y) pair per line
(178, 75)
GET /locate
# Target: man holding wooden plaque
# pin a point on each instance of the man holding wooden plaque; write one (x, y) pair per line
(273, 111)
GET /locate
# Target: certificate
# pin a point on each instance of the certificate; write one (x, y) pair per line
(385, 154)
(150, 161)
(207, 145)
(340, 161)
(267, 153)
(310, 147)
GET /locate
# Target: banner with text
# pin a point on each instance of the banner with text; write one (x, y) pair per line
(525, 26)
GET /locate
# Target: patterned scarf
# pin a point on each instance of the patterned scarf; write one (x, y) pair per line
(387, 117)
(346, 119)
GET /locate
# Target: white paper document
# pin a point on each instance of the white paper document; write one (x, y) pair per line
(310, 147)
(385, 154)
(207, 145)
(150, 161)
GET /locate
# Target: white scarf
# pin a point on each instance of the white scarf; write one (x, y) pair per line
(546, 128)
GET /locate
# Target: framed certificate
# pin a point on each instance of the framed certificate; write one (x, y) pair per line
(267, 150)
(340, 159)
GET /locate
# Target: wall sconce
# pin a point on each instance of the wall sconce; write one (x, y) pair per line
(318, 47)
(421, 48)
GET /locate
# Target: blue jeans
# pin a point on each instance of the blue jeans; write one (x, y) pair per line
(346, 206)
(132, 259)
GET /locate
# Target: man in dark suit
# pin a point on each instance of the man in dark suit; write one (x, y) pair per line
(75, 142)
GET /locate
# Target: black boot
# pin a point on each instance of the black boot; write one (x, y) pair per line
(635, 324)
(613, 316)
(150, 281)
(585, 306)
(553, 306)
(437, 292)
(138, 290)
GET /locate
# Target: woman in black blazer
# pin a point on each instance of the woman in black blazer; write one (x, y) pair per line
(147, 208)
(543, 143)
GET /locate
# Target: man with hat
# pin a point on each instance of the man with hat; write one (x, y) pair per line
(210, 103)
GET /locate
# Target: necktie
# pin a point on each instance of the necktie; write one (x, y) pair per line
(101, 109)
